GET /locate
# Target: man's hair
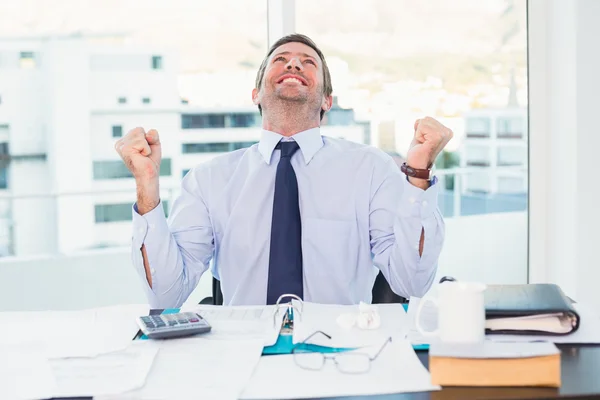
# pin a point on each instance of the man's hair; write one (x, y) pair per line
(296, 38)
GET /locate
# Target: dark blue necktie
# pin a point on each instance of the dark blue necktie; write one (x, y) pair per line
(285, 258)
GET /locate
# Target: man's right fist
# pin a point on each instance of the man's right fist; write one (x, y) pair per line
(140, 151)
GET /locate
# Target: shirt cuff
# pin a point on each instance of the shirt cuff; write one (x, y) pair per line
(416, 202)
(142, 223)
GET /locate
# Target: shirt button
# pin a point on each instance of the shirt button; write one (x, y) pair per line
(411, 200)
(151, 226)
(141, 230)
(424, 203)
(152, 271)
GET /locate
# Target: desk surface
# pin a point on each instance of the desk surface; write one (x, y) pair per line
(580, 367)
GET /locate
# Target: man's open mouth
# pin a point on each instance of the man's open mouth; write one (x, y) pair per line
(292, 79)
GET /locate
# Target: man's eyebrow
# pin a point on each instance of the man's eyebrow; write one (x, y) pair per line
(287, 53)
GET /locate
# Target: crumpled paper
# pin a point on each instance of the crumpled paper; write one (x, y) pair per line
(366, 318)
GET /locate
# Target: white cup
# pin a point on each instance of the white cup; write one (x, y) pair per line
(461, 313)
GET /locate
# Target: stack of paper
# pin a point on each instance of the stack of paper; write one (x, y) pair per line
(72, 353)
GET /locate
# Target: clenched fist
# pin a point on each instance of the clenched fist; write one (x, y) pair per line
(430, 139)
(141, 152)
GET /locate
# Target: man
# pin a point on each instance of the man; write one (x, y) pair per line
(296, 213)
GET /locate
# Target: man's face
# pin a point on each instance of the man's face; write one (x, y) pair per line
(294, 73)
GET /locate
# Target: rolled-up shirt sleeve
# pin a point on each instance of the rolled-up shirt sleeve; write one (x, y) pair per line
(179, 249)
(399, 213)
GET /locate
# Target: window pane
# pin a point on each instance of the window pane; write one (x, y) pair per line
(464, 63)
(156, 62)
(118, 212)
(214, 147)
(117, 131)
(118, 170)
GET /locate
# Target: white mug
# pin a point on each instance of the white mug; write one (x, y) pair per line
(461, 313)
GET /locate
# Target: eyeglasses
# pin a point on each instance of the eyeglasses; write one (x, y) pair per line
(346, 362)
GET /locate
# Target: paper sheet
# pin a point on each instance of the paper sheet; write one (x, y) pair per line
(85, 333)
(195, 368)
(24, 374)
(113, 373)
(241, 322)
(396, 370)
(323, 317)
(490, 349)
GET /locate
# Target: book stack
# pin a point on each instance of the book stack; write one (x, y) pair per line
(495, 364)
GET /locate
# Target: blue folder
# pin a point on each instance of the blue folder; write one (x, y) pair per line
(284, 343)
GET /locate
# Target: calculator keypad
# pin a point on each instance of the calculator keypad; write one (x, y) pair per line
(159, 321)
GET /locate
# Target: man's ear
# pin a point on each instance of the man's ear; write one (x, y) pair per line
(327, 103)
(255, 97)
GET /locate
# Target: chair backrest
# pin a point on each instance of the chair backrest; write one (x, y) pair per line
(217, 295)
(382, 292)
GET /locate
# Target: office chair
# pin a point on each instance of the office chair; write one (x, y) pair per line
(382, 293)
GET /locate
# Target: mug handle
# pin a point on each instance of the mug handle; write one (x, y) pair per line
(418, 315)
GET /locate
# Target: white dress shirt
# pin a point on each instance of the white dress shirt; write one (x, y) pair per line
(359, 215)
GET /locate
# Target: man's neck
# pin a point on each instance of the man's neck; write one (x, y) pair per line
(289, 123)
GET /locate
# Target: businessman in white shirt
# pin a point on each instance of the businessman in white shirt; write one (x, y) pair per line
(296, 213)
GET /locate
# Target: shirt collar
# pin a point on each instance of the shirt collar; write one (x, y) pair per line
(309, 141)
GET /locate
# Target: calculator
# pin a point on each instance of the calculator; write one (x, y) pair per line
(166, 326)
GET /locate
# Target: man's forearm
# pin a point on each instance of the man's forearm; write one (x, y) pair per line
(148, 196)
(421, 241)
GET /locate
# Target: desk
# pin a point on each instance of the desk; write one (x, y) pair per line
(580, 379)
(580, 369)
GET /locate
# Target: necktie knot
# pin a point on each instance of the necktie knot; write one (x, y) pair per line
(288, 148)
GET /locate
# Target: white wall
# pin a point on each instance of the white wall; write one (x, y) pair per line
(66, 78)
(88, 279)
(33, 217)
(564, 62)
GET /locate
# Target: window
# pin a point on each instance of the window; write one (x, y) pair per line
(118, 212)
(117, 131)
(510, 127)
(477, 127)
(27, 60)
(117, 169)
(184, 172)
(3, 177)
(202, 121)
(122, 100)
(157, 62)
(146, 100)
(4, 164)
(470, 73)
(245, 120)
(221, 147)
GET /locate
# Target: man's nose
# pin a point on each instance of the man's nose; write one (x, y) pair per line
(294, 63)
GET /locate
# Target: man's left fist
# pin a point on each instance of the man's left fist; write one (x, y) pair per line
(430, 138)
